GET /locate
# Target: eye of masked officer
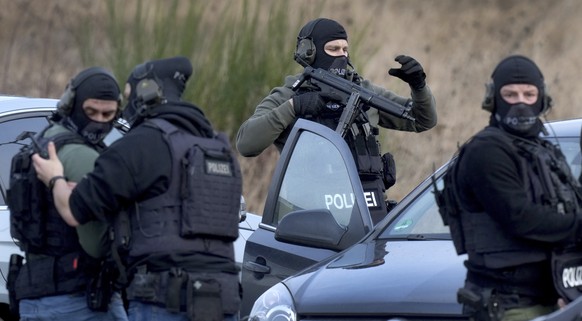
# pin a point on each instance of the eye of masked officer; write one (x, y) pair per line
(336, 48)
(519, 93)
(101, 111)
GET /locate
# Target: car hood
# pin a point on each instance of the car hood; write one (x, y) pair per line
(380, 277)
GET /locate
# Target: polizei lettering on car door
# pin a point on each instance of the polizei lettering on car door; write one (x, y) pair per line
(341, 201)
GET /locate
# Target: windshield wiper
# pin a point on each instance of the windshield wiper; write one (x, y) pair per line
(416, 237)
(424, 237)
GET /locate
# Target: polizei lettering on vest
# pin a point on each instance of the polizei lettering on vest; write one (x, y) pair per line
(339, 201)
(572, 277)
(214, 167)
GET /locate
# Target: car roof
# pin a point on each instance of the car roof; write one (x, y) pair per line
(14, 104)
(564, 128)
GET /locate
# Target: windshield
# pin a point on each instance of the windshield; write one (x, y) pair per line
(420, 219)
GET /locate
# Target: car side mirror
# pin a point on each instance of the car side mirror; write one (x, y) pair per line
(314, 228)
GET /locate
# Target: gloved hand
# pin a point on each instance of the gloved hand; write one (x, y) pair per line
(312, 103)
(411, 72)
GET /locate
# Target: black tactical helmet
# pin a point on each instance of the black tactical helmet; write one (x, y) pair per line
(155, 83)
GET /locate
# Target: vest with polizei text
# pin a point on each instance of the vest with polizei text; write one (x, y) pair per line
(199, 212)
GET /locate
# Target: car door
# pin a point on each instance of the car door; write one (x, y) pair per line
(315, 207)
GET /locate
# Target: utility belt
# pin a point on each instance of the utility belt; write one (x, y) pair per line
(488, 304)
(48, 275)
(484, 305)
(201, 295)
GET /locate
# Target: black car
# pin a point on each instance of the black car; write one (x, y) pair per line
(316, 211)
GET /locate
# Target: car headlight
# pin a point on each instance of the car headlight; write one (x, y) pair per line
(275, 304)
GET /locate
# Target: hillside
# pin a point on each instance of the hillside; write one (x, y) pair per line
(458, 43)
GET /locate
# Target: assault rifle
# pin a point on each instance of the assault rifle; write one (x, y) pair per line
(352, 95)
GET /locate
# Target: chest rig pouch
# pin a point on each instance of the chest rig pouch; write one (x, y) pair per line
(377, 172)
(556, 187)
(34, 220)
(211, 189)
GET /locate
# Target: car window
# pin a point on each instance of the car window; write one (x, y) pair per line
(316, 178)
(422, 217)
(9, 130)
(571, 149)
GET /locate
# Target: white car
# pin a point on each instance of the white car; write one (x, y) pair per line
(18, 114)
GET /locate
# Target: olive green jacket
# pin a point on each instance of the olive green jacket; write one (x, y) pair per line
(78, 160)
(274, 116)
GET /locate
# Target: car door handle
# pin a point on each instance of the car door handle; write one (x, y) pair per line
(257, 267)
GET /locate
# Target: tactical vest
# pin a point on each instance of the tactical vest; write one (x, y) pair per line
(551, 185)
(197, 214)
(163, 224)
(56, 263)
(373, 168)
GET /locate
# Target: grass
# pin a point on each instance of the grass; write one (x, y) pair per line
(239, 51)
(458, 44)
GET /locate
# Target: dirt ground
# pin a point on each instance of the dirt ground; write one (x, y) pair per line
(458, 43)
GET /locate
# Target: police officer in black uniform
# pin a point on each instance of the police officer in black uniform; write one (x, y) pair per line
(172, 276)
(518, 201)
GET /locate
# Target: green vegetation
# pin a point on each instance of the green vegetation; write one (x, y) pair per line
(240, 50)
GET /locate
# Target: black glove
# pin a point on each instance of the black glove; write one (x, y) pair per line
(411, 72)
(312, 103)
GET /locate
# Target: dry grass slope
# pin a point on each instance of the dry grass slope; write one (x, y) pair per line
(458, 42)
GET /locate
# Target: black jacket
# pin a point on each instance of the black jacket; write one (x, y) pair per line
(491, 182)
(134, 168)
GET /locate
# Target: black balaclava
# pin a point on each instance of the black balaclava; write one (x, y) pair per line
(518, 119)
(99, 86)
(325, 30)
(169, 74)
